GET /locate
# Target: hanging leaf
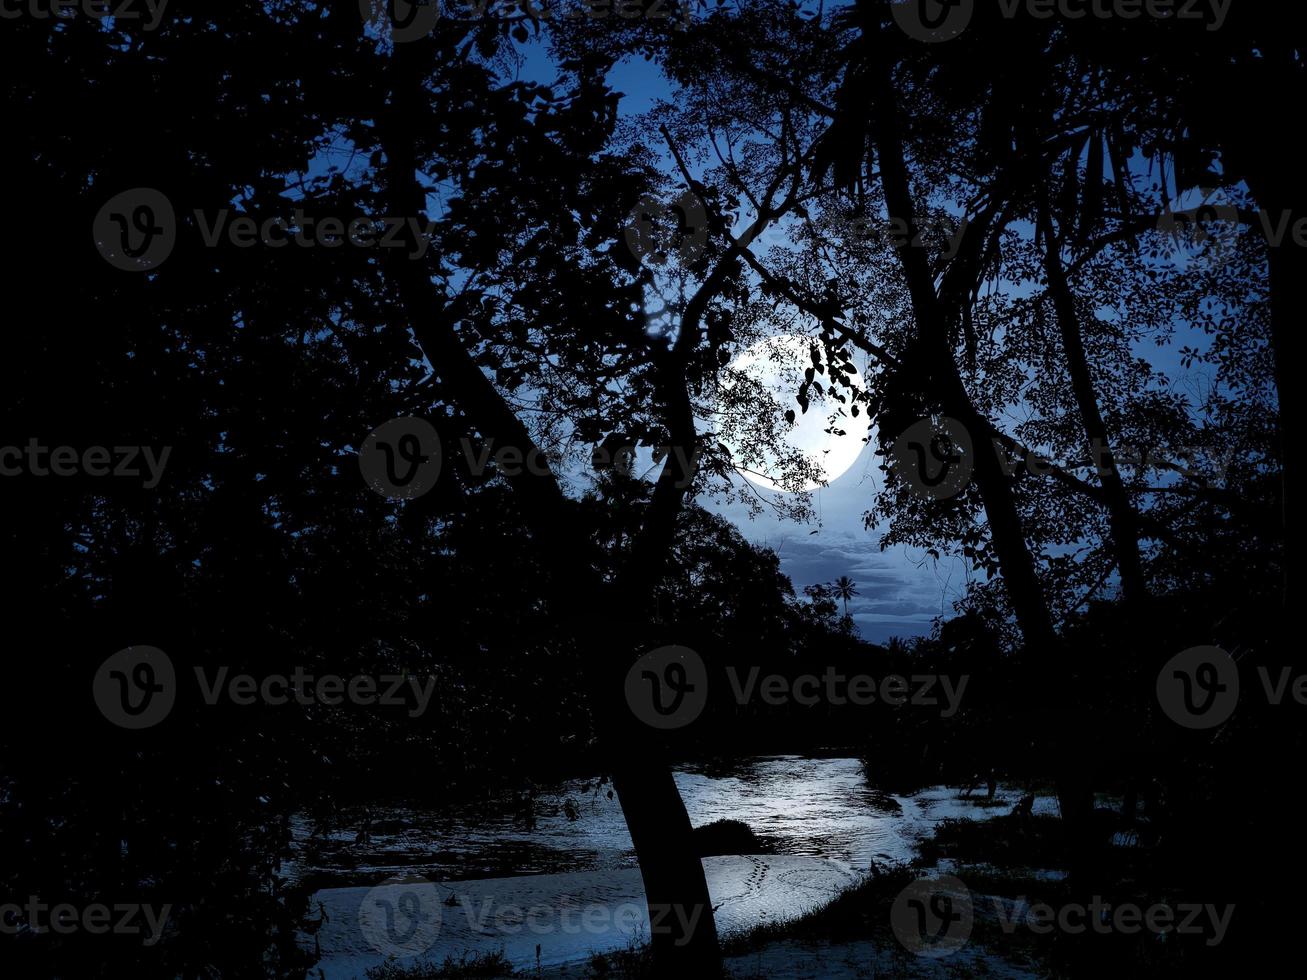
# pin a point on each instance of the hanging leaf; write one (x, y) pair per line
(1091, 210)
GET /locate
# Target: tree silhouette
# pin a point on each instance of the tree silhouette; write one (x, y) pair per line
(843, 587)
(1030, 293)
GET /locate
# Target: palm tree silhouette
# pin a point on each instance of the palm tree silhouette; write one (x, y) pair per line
(844, 588)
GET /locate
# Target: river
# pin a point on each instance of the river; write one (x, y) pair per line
(563, 884)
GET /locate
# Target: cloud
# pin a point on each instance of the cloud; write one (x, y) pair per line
(900, 593)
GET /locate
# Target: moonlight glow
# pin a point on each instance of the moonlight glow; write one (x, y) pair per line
(777, 364)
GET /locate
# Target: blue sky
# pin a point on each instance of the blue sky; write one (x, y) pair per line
(902, 590)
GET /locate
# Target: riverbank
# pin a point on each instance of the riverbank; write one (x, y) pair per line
(829, 835)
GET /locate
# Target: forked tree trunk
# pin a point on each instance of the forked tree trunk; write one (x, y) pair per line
(683, 936)
(946, 387)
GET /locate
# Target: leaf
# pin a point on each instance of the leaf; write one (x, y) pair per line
(1091, 209)
(1116, 149)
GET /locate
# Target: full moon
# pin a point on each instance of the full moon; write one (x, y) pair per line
(777, 365)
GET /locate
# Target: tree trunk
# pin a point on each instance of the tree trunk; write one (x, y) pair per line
(1122, 520)
(1016, 563)
(1288, 266)
(683, 935)
(1242, 110)
(945, 386)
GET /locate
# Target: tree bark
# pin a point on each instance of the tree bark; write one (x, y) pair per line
(683, 936)
(1122, 520)
(945, 386)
